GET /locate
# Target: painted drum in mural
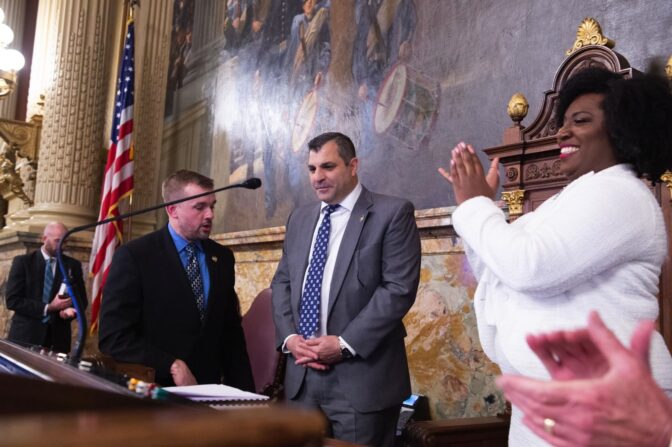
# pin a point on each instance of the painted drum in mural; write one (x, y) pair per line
(406, 106)
(304, 122)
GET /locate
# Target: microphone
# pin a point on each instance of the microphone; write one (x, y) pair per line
(250, 183)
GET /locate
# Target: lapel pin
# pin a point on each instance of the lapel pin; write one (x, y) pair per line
(361, 219)
(214, 259)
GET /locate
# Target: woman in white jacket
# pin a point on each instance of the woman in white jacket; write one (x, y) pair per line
(598, 244)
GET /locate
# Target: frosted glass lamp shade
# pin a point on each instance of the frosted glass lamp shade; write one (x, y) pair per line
(6, 35)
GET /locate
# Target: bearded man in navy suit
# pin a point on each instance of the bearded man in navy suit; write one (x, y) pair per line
(169, 300)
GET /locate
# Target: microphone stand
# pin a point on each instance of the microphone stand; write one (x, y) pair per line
(251, 183)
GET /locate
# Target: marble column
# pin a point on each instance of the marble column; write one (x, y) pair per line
(153, 21)
(44, 52)
(69, 160)
(14, 18)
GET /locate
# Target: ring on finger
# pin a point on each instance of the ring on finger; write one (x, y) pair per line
(549, 425)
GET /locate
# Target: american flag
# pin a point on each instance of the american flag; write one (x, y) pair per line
(118, 177)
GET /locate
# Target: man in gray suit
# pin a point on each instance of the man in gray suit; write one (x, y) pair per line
(339, 316)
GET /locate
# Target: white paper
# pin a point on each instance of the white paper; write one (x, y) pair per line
(214, 392)
(63, 290)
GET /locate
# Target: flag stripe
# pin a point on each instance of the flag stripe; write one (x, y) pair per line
(117, 178)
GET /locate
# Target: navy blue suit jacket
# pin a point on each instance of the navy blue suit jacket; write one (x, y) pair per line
(149, 313)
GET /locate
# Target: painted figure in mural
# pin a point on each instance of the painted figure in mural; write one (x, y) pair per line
(35, 292)
(169, 302)
(238, 22)
(180, 66)
(273, 22)
(180, 48)
(384, 29)
(306, 64)
(384, 32)
(309, 51)
(183, 15)
(339, 317)
(598, 244)
(267, 79)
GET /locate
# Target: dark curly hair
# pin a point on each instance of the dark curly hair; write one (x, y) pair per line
(638, 116)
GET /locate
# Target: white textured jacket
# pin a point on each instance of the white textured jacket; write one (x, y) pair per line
(598, 244)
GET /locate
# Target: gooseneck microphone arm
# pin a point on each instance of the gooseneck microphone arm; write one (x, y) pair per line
(251, 183)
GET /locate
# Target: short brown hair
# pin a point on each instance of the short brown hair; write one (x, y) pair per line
(175, 183)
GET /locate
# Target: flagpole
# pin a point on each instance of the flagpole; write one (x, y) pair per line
(129, 232)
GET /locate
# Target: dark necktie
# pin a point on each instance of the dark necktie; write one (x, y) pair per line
(48, 283)
(309, 312)
(195, 279)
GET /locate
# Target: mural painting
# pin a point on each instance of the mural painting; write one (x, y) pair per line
(288, 70)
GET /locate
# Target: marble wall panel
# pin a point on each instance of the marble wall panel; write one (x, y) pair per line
(446, 361)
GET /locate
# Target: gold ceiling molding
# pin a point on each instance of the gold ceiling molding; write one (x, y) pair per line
(590, 33)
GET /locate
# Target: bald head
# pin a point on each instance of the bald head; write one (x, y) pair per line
(51, 237)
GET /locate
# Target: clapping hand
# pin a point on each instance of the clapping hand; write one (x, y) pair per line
(467, 176)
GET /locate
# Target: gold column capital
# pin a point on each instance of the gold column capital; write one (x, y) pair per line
(514, 200)
(667, 179)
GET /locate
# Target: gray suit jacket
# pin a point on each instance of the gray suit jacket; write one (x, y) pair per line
(373, 286)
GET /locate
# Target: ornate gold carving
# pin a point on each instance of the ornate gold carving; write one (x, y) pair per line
(22, 140)
(535, 171)
(7, 82)
(668, 68)
(590, 33)
(517, 108)
(667, 179)
(21, 136)
(511, 174)
(10, 179)
(514, 199)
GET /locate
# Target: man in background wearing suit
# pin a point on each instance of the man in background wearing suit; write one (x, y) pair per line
(339, 316)
(42, 309)
(169, 300)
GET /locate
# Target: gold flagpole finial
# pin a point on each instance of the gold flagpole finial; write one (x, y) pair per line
(132, 4)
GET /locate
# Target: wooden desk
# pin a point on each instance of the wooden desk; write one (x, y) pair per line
(272, 427)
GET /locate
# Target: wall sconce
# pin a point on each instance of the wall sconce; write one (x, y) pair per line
(11, 60)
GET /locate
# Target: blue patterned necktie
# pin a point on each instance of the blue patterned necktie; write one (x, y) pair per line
(309, 312)
(48, 282)
(195, 279)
